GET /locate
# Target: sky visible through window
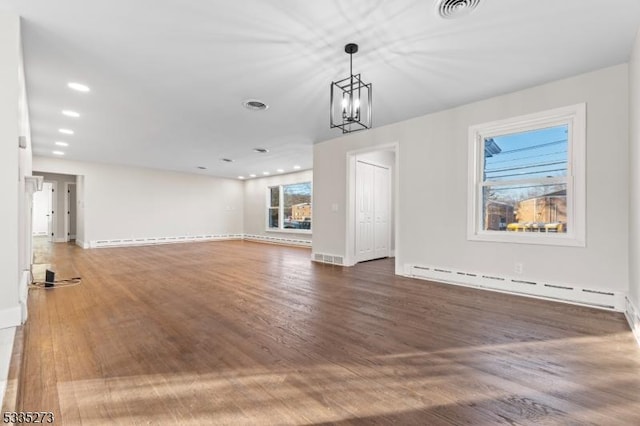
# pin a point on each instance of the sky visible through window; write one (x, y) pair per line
(534, 154)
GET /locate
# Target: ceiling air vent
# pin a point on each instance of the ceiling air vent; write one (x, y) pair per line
(451, 9)
(254, 105)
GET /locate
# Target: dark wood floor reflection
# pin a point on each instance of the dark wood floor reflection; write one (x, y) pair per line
(245, 333)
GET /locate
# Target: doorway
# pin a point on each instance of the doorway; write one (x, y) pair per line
(372, 204)
(43, 212)
(71, 202)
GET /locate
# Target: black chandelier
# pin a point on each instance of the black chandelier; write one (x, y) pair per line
(351, 99)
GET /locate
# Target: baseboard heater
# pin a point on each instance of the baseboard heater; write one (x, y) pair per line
(562, 292)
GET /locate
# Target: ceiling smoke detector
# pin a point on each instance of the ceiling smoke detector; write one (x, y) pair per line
(254, 105)
(451, 9)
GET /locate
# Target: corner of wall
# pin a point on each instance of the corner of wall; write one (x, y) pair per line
(634, 174)
(633, 317)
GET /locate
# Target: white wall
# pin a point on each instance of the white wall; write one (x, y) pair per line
(433, 172)
(118, 202)
(255, 204)
(60, 203)
(15, 163)
(634, 174)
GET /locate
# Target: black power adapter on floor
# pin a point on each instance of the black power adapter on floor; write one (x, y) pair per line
(49, 278)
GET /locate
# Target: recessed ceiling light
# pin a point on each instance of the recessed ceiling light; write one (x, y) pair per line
(227, 160)
(254, 105)
(252, 175)
(266, 173)
(79, 87)
(240, 177)
(66, 131)
(260, 150)
(296, 167)
(201, 167)
(70, 113)
(60, 143)
(280, 170)
(58, 152)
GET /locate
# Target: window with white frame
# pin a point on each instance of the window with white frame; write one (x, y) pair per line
(527, 178)
(289, 207)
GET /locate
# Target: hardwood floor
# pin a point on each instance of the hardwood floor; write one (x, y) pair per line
(246, 333)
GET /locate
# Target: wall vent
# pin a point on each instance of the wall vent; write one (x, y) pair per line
(327, 258)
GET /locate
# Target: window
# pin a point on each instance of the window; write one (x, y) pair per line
(290, 207)
(527, 179)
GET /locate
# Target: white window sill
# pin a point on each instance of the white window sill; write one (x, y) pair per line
(290, 231)
(541, 238)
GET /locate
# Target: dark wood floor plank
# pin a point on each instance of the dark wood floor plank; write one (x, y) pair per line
(246, 333)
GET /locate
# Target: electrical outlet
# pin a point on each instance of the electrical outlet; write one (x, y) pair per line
(518, 268)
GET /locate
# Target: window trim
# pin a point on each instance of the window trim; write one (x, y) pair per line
(574, 117)
(281, 209)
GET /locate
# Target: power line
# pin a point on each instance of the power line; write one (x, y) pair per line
(526, 166)
(530, 173)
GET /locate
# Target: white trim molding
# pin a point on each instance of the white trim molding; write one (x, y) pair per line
(541, 289)
(632, 313)
(120, 242)
(277, 240)
(23, 295)
(161, 240)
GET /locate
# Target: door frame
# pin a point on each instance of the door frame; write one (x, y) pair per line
(54, 208)
(350, 225)
(67, 224)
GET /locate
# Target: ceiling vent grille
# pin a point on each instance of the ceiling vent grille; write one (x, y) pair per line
(255, 105)
(451, 9)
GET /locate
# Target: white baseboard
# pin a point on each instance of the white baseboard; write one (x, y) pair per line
(60, 240)
(633, 317)
(191, 238)
(6, 349)
(10, 317)
(277, 240)
(561, 292)
(161, 240)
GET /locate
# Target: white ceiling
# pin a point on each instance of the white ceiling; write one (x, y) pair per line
(168, 77)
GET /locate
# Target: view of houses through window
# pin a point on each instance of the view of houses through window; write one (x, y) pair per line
(290, 206)
(524, 180)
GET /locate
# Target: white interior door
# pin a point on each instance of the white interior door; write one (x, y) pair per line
(372, 211)
(42, 208)
(364, 212)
